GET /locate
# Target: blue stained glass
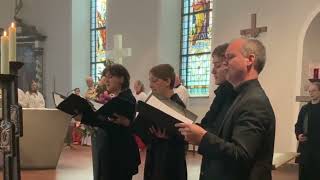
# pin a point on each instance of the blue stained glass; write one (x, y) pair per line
(196, 46)
(98, 36)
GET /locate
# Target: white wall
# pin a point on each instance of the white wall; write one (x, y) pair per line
(80, 43)
(283, 42)
(6, 13)
(310, 51)
(169, 33)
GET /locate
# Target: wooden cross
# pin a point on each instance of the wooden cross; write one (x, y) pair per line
(118, 52)
(254, 31)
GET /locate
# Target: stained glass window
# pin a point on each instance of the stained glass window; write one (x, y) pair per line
(196, 36)
(98, 37)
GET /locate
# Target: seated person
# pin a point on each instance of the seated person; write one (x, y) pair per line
(34, 99)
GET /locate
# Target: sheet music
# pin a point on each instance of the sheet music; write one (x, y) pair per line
(155, 102)
(96, 105)
(57, 98)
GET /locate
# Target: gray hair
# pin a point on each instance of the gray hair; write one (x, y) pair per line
(254, 46)
(89, 78)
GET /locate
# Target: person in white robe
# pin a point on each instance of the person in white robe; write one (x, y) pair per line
(139, 94)
(181, 91)
(34, 99)
(22, 98)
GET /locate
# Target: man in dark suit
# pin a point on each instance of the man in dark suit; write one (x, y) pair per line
(242, 149)
(307, 131)
(224, 97)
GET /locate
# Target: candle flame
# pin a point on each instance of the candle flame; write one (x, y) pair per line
(13, 24)
(4, 33)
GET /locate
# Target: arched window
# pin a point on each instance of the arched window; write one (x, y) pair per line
(98, 37)
(196, 36)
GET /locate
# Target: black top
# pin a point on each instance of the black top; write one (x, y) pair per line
(165, 158)
(243, 147)
(309, 124)
(314, 126)
(123, 153)
(225, 95)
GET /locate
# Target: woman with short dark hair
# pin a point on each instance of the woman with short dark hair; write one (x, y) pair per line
(121, 157)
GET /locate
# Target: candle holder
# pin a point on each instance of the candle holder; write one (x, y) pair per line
(7, 129)
(314, 80)
(16, 116)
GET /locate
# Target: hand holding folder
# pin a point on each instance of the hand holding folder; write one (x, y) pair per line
(74, 105)
(161, 114)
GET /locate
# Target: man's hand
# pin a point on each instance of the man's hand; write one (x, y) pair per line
(120, 120)
(191, 132)
(302, 138)
(159, 133)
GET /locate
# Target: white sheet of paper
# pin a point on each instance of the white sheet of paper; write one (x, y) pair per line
(96, 105)
(57, 99)
(155, 102)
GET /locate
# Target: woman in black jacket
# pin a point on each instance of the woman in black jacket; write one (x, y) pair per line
(121, 157)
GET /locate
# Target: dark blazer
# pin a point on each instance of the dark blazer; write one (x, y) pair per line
(300, 127)
(243, 147)
(123, 153)
(309, 125)
(213, 119)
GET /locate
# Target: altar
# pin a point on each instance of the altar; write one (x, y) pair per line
(44, 131)
(43, 138)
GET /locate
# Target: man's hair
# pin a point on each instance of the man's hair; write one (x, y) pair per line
(220, 51)
(164, 72)
(119, 71)
(317, 84)
(254, 46)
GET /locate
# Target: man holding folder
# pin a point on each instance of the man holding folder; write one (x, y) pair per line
(242, 148)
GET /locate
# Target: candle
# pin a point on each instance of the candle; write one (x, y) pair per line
(4, 53)
(316, 73)
(12, 42)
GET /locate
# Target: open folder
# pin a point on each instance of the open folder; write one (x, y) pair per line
(74, 105)
(161, 113)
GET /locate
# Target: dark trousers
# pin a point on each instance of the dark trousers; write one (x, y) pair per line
(99, 151)
(309, 169)
(120, 176)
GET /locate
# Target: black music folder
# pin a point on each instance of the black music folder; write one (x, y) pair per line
(74, 105)
(163, 114)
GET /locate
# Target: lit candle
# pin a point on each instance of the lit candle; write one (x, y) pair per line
(12, 42)
(4, 53)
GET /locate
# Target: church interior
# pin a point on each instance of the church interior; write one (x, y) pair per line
(66, 41)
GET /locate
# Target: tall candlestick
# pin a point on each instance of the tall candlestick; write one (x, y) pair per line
(12, 42)
(4, 53)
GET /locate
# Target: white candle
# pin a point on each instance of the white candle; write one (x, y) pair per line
(4, 53)
(12, 42)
